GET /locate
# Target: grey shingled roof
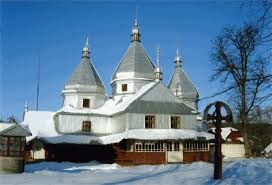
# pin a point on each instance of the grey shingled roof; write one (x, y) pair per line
(136, 60)
(85, 74)
(158, 100)
(15, 130)
(151, 107)
(187, 87)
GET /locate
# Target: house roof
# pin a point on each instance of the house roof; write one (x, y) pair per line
(136, 62)
(140, 134)
(181, 82)
(13, 129)
(85, 74)
(234, 135)
(226, 131)
(268, 148)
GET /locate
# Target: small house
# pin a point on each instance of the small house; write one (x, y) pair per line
(233, 142)
(12, 147)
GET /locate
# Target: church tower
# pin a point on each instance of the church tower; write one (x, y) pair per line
(134, 70)
(181, 85)
(84, 89)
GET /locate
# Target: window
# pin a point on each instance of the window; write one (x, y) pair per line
(138, 147)
(12, 146)
(149, 121)
(176, 146)
(124, 87)
(196, 146)
(175, 122)
(169, 146)
(86, 126)
(3, 146)
(86, 103)
(149, 146)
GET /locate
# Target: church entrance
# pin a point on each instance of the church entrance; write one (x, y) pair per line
(173, 152)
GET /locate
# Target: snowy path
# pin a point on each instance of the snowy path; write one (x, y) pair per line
(252, 171)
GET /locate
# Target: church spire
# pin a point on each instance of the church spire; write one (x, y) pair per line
(158, 72)
(25, 109)
(135, 30)
(178, 60)
(86, 49)
(26, 106)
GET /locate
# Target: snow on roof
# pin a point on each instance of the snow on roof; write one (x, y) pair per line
(199, 117)
(112, 106)
(225, 131)
(140, 134)
(156, 134)
(72, 139)
(40, 123)
(4, 126)
(240, 139)
(268, 148)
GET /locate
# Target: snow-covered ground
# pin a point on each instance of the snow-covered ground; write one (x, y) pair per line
(250, 171)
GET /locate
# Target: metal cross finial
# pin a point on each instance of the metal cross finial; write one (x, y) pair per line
(87, 42)
(86, 49)
(136, 16)
(26, 106)
(158, 55)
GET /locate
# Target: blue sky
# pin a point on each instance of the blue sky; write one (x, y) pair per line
(56, 32)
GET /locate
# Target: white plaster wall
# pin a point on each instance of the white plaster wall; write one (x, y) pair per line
(233, 150)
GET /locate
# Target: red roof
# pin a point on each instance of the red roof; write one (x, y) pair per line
(234, 135)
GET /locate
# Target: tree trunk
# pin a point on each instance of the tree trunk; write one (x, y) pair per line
(248, 151)
(244, 124)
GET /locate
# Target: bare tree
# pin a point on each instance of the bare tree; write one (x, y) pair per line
(241, 58)
(12, 119)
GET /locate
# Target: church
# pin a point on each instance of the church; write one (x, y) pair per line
(143, 122)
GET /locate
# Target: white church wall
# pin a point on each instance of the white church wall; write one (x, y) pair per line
(76, 99)
(99, 125)
(70, 99)
(133, 85)
(188, 121)
(118, 124)
(162, 121)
